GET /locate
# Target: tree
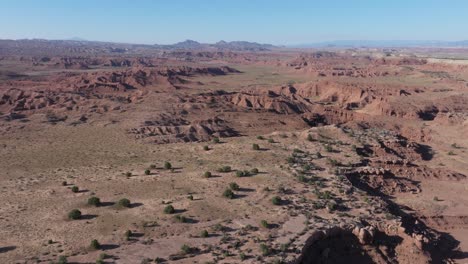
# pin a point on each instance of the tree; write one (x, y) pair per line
(167, 165)
(276, 200)
(234, 186)
(147, 172)
(75, 189)
(95, 244)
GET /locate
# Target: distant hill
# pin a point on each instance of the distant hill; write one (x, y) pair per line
(383, 43)
(221, 45)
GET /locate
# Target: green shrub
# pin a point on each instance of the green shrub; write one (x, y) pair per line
(255, 147)
(207, 174)
(270, 140)
(99, 261)
(128, 234)
(62, 260)
(128, 174)
(224, 169)
(206, 148)
(234, 186)
(95, 244)
(147, 172)
(167, 165)
(74, 214)
(124, 202)
(204, 233)
(254, 171)
(64, 183)
(186, 249)
(260, 137)
(264, 249)
(181, 218)
(216, 140)
(276, 200)
(240, 173)
(242, 256)
(75, 189)
(94, 201)
(328, 148)
(169, 209)
(264, 224)
(228, 193)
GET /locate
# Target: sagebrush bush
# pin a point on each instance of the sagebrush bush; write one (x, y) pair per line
(206, 148)
(264, 224)
(276, 200)
(74, 214)
(264, 249)
(147, 172)
(95, 244)
(254, 171)
(224, 169)
(169, 209)
(216, 140)
(204, 233)
(75, 189)
(124, 202)
(255, 147)
(128, 174)
(167, 165)
(228, 193)
(94, 201)
(234, 186)
(207, 174)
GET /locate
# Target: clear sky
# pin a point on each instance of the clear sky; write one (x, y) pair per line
(266, 21)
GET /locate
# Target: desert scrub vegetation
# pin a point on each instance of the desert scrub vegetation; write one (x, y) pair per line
(94, 201)
(167, 165)
(276, 200)
(260, 138)
(234, 186)
(207, 174)
(204, 233)
(264, 224)
(243, 173)
(74, 214)
(147, 172)
(265, 249)
(169, 209)
(95, 245)
(123, 203)
(255, 147)
(206, 148)
(186, 249)
(128, 174)
(254, 171)
(216, 140)
(181, 219)
(224, 169)
(228, 193)
(75, 189)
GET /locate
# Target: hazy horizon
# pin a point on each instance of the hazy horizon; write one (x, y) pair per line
(278, 23)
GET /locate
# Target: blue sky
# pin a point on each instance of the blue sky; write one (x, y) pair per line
(267, 21)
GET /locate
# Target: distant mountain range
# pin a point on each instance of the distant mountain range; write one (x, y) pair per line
(221, 45)
(383, 43)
